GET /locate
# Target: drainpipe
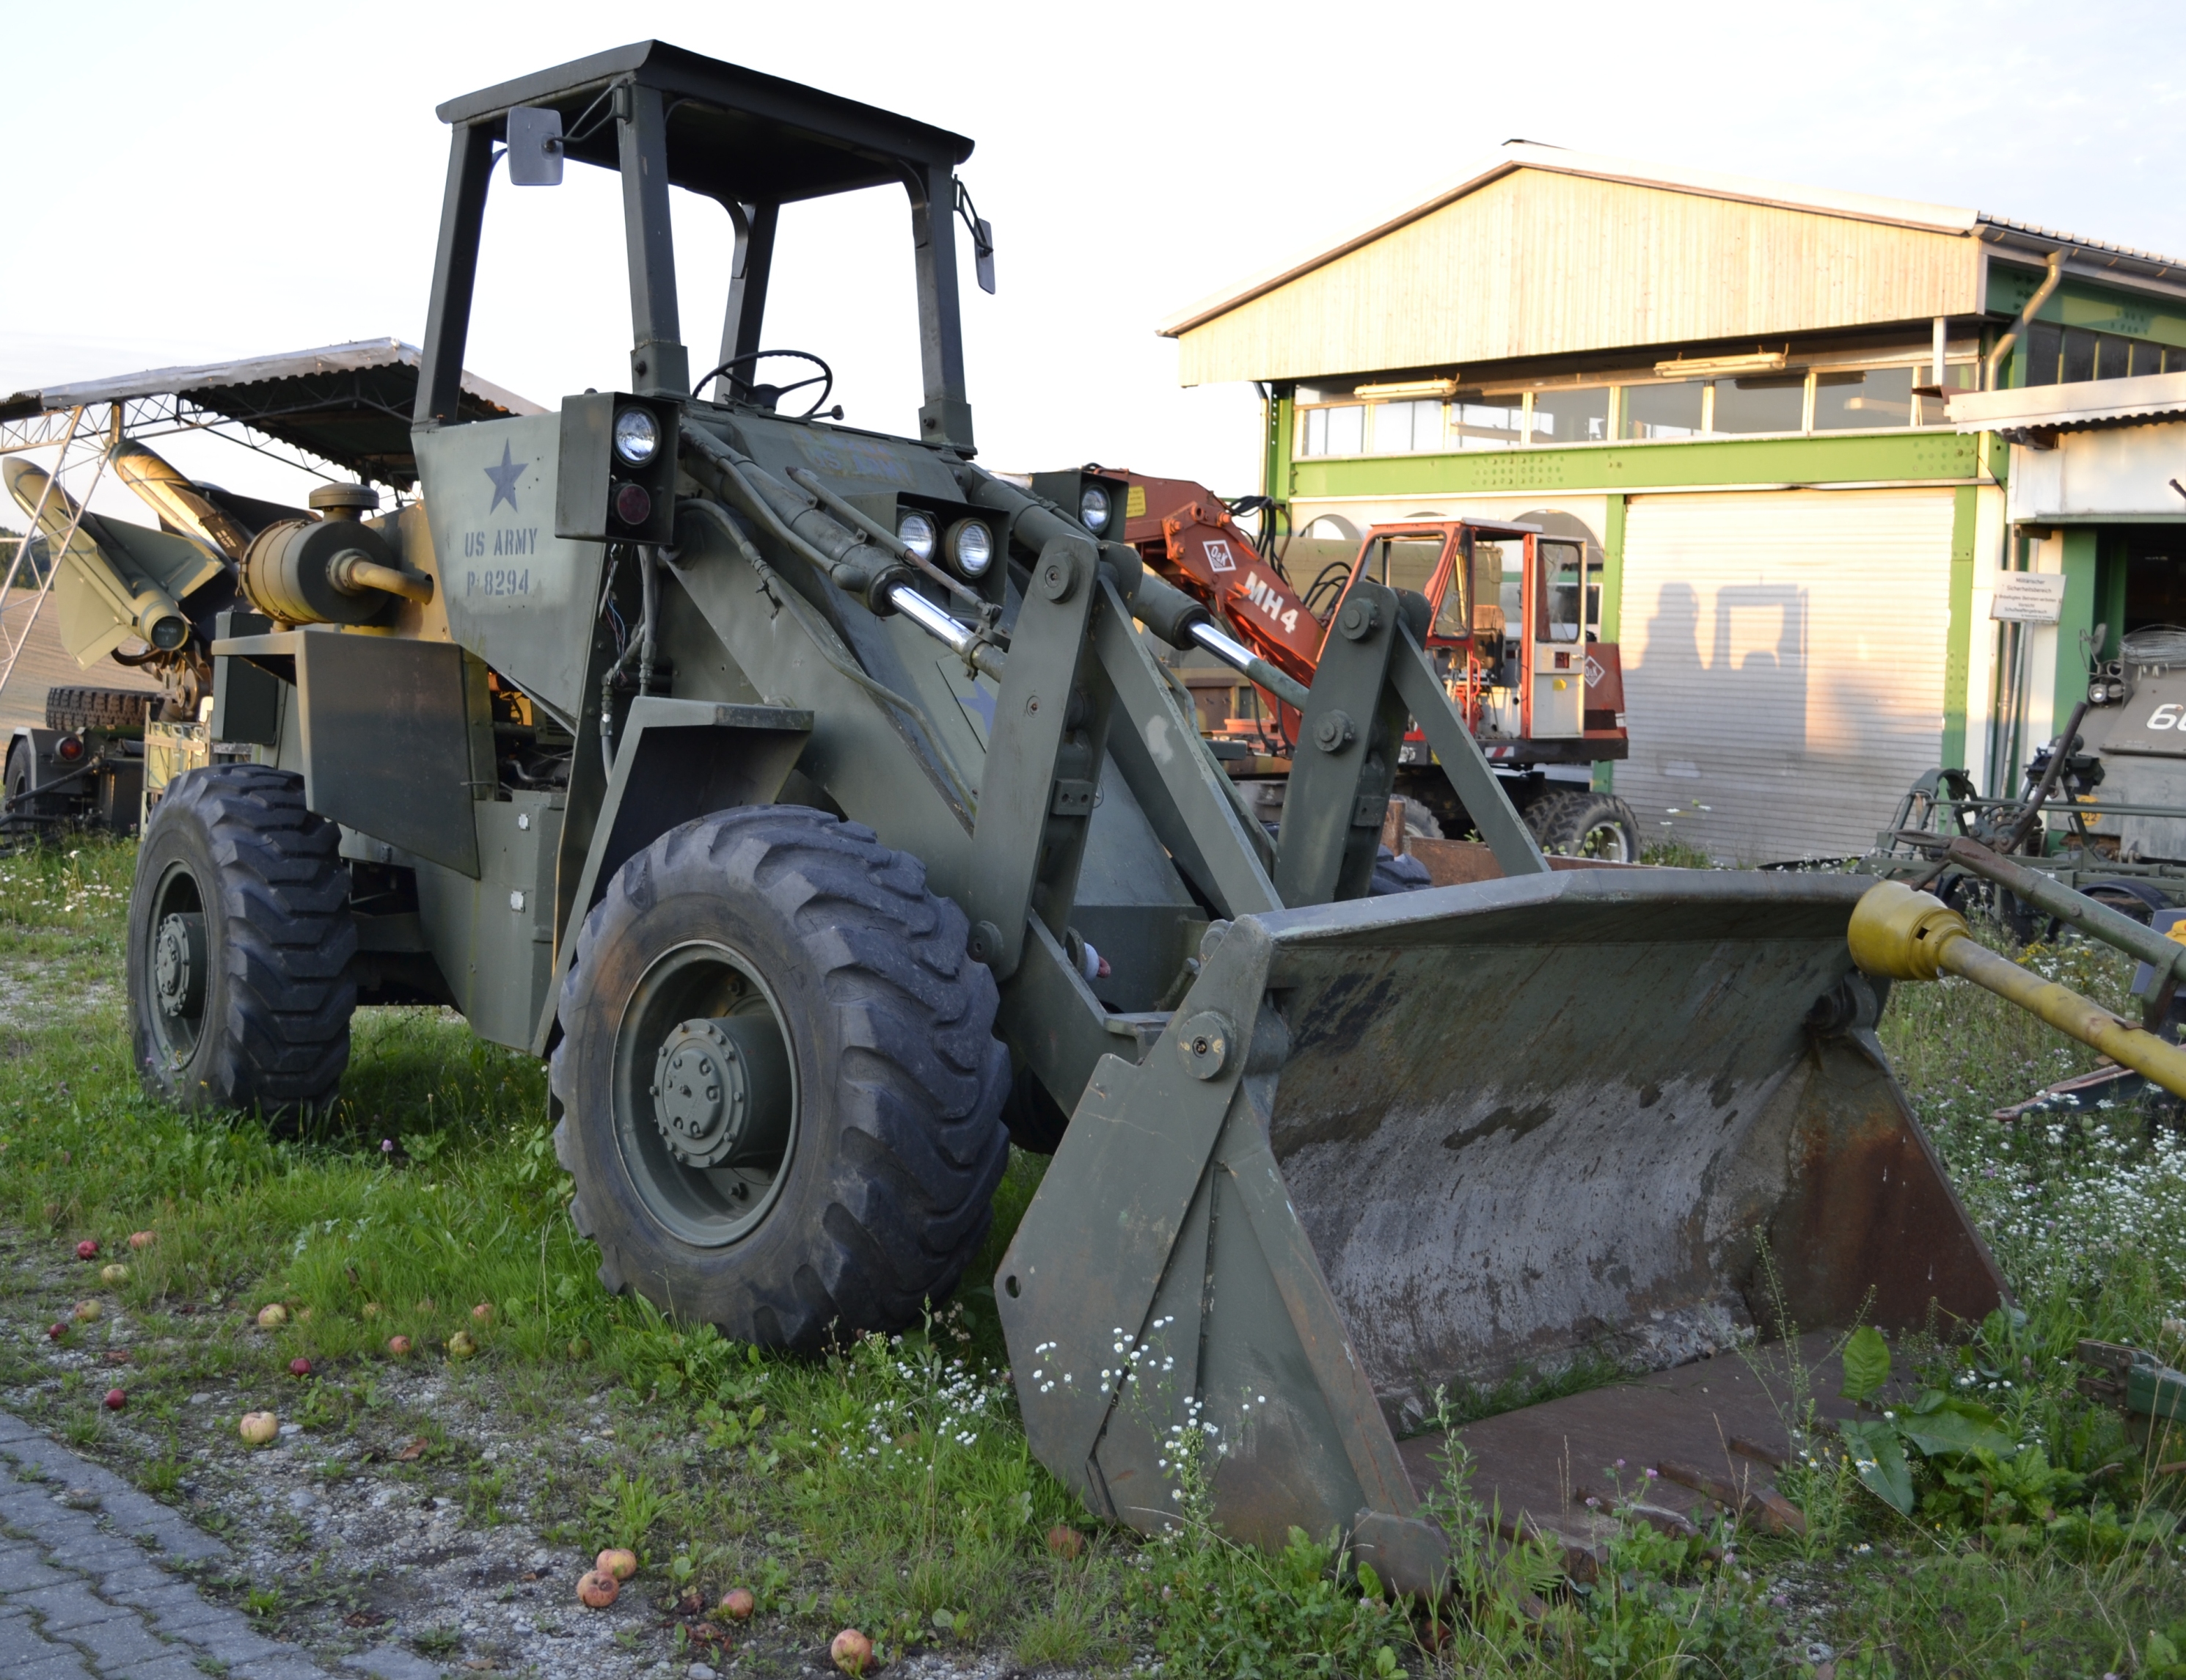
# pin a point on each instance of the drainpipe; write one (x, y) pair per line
(2041, 296)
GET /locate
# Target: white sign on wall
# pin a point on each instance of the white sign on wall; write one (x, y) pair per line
(2029, 597)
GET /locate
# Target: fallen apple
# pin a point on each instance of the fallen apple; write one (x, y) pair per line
(142, 1238)
(399, 1345)
(257, 1428)
(580, 1348)
(851, 1651)
(299, 1366)
(462, 1345)
(115, 1399)
(272, 1316)
(1065, 1542)
(483, 1312)
(370, 1309)
(57, 1330)
(619, 1561)
(739, 1604)
(86, 1311)
(87, 1249)
(115, 1273)
(598, 1588)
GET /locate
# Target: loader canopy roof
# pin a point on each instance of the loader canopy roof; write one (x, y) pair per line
(732, 133)
(661, 116)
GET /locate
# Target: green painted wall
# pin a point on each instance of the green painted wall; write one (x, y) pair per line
(1612, 605)
(2076, 617)
(2081, 303)
(1863, 458)
(1959, 639)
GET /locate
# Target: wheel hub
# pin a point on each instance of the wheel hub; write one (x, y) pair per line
(717, 1093)
(178, 965)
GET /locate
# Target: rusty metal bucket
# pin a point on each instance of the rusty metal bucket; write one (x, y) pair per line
(1392, 1144)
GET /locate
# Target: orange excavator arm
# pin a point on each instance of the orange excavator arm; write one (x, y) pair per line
(1186, 534)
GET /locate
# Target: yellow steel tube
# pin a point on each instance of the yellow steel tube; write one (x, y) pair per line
(1899, 934)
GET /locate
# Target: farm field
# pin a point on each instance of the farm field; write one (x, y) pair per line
(449, 1500)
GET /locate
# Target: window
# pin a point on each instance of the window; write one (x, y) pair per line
(1557, 600)
(1567, 415)
(1775, 402)
(1404, 562)
(1497, 422)
(1665, 411)
(1863, 397)
(1333, 431)
(1406, 427)
(2058, 354)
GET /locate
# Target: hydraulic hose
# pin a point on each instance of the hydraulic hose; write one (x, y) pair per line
(890, 591)
(1287, 689)
(822, 633)
(1175, 616)
(1899, 934)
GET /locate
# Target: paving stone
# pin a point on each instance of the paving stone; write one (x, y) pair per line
(174, 1666)
(30, 1575)
(392, 1662)
(138, 1576)
(63, 1665)
(124, 1639)
(188, 1620)
(21, 1642)
(231, 1643)
(71, 1604)
(85, 1601)
(291, 1667)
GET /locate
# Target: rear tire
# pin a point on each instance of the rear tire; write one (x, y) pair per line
(1576, 824)
(74, 708)
(239, 947)
(867, 1194)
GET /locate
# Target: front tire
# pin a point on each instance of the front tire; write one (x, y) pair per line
(1576, 823)
(780, 1084)
(239, 947)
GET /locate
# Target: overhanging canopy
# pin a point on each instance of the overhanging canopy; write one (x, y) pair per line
(348, 404)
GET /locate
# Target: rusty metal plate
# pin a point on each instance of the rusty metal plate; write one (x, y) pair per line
(1724, 1421)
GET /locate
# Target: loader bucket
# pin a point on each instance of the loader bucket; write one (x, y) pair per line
(1392, 1144)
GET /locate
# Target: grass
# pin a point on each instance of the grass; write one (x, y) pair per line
(891, 1486)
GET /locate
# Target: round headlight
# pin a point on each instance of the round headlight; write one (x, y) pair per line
(915, 532)
(636, 436)
(971, 547)
(1093, 509)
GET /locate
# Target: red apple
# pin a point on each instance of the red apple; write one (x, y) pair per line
(851, 1651)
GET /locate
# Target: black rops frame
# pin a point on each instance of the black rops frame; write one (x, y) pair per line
(662, 116)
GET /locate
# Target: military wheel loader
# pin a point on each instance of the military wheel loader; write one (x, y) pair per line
(814, 799)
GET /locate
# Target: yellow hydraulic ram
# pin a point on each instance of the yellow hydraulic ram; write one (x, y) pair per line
(1899, 934)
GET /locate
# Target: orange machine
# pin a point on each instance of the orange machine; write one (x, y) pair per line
(1515, 624)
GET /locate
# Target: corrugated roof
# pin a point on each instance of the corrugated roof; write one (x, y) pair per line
(2085, 403)
(358, 356)
(347, 404)
(1708, 183)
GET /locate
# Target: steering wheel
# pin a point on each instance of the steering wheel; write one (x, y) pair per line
(768, 395)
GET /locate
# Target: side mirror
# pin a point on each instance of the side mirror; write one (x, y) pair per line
(535, 146)
(983, 252)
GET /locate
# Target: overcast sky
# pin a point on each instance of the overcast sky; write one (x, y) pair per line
(197, 182)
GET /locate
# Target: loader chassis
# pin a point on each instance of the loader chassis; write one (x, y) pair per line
(813, 861)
